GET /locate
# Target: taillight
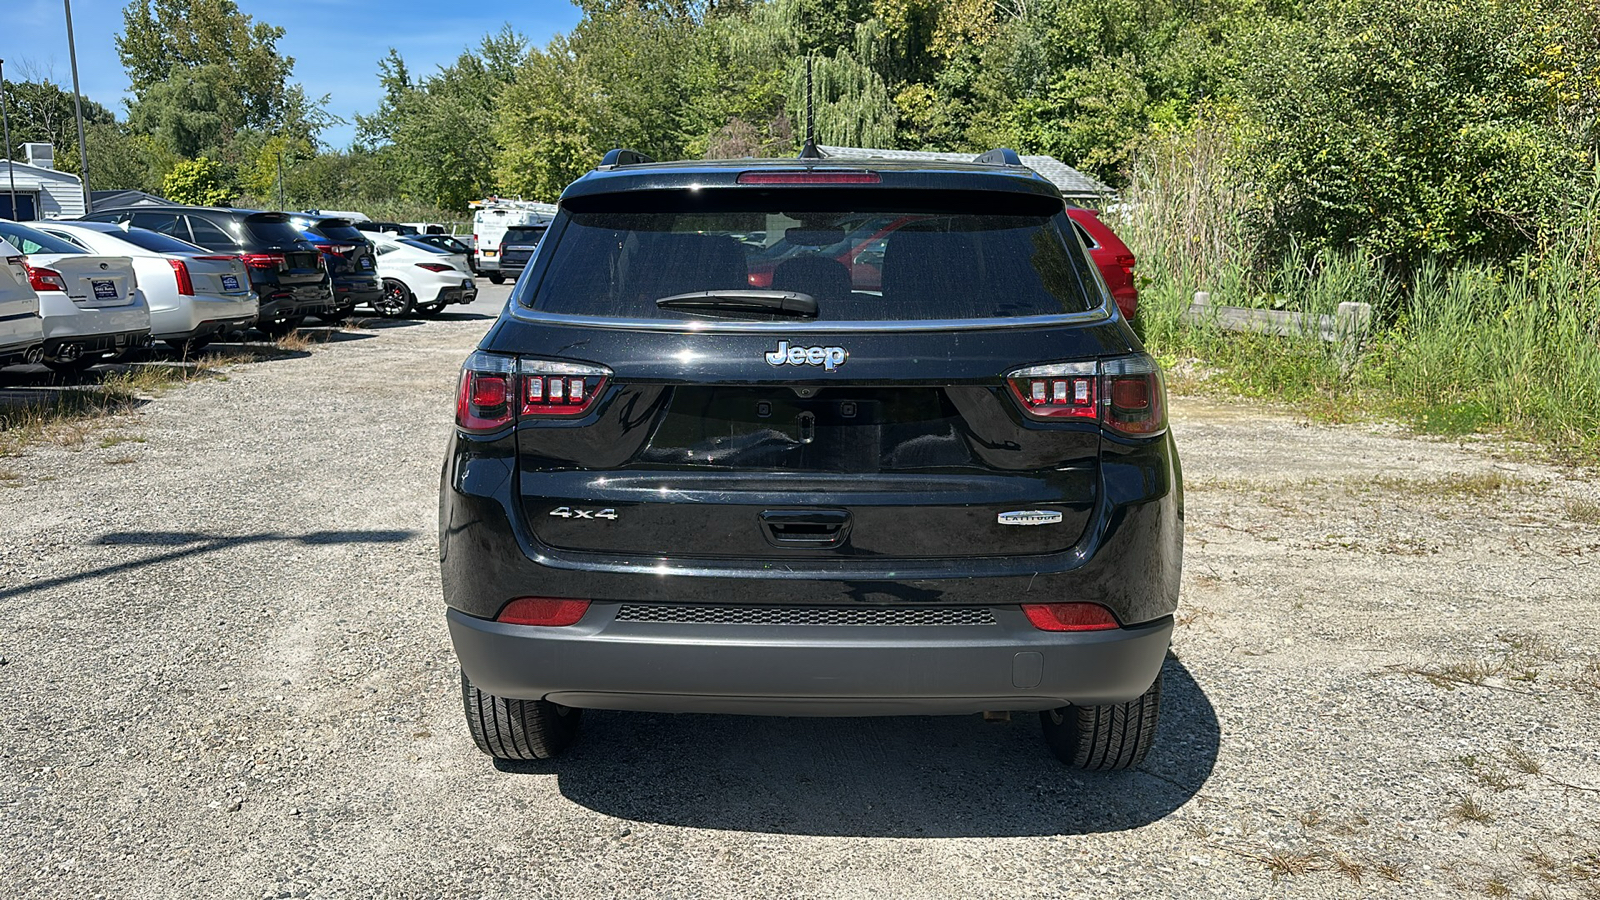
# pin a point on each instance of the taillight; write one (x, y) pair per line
(547, 611)
(1126, 395)
(551, 388)
(1069, 616)
(1126, 262)
(434, 267)
(180, 270)
(1135, 396)
(1061, 391)
(495, 390)
(273, 261)
(44, 279)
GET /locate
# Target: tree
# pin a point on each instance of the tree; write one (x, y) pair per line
(41, 111)
(201, 182)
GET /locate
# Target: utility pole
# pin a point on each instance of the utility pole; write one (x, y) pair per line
(77, 103)
(280, 181)
(5, 119)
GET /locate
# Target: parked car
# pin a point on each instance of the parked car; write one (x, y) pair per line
(195, 296)
(452, 250)
(348, 256)
(490, 220)
(517, 247)
(418, 278)
(1111, 256)
(670, 491)
(21, 328)
(372, 227)
(90, 304)
(286, 272)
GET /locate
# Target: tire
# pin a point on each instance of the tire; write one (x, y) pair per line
(518, 729)
(279, 329)
(338, 315)
(1104, 738)
(74, 366)
(497, 278)
(191, 346)
(396, 302)
(431, 309)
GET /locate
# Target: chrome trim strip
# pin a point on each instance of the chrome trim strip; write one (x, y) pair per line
(793, 326)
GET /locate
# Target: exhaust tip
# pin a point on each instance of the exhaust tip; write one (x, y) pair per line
(34, 356)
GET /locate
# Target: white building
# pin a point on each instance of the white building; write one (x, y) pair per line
(42, 191)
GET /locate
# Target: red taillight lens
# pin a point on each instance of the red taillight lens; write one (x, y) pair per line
(1136, 398)
(433, 267)
(273, 261)
(1066, 391)
(1126, 261)
(180, 271)
(496, 389)
(547, 611)
(1069, 616)
(1126, 394)
(43, 279)
(806, 176)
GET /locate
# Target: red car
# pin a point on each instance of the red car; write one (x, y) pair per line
(862, 250)
(1111, 256)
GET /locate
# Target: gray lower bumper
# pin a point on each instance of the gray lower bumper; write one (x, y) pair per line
(603, 663)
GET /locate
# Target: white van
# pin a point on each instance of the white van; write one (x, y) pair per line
(490, 220)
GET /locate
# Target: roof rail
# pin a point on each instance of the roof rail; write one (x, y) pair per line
(623, 157)
(1000, 156)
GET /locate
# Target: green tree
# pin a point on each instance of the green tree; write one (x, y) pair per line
(41, 111)
(202, 182)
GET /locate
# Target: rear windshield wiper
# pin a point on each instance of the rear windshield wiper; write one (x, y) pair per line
(781, 303)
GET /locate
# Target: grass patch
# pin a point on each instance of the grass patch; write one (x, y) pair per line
(1584, 512)
(73, 416)
(112, 440)
(295, 342)
(1461, 486)
(1286, 864)
(1468, 809)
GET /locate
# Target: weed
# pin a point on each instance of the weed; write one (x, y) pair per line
(1585, 512)
(294, 342)
(122, 460)
(1474, 486)
(1312, 817)
(1395, 872)
(1284, 864)
(1496, 887)
(1468, 809)
(1522, 760)
(1349, 868)
(112, 440)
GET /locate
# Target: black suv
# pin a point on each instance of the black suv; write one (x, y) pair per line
(517, 247)
(951, 492)
(286, 271)
(351, 264)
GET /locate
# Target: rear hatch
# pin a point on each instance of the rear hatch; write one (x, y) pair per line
(275, 251)
(881, 426)
(517, 247)
(345, 248)
(95, 281)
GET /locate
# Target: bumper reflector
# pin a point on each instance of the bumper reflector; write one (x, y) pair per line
(546, 611)
(1069, 616)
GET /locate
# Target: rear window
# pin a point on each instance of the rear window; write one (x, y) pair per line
(158, 243)
(30, 240)
(274, 231)
(521, 235)
(344, 232)
(862, 255)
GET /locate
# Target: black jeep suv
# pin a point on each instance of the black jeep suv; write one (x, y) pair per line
(286, 271)
(938, 481)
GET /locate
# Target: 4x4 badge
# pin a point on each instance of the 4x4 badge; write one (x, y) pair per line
(829, 358)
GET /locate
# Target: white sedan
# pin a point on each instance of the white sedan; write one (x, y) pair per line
(417, 278)
(91, 304)
(21, 328)
(195, 295)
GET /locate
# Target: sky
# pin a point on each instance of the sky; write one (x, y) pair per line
(336, 44)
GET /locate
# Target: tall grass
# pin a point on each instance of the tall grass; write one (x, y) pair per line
(1458, 347)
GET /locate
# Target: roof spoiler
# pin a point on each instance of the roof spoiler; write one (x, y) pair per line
(1000, 156)
(622, 156)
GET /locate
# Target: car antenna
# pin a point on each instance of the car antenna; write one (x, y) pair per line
(809, 150)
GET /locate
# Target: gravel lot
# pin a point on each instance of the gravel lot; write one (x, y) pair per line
(226, 673)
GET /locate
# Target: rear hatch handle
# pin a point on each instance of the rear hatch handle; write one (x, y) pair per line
(812, 528)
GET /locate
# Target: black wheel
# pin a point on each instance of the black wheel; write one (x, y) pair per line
(431, 309)
(279, 329)
(497, 278)
(396, 301)
(1104, 737)
(518, 729)
(191, 346)
(75, 365)
(334, 317)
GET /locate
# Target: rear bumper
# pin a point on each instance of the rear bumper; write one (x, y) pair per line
(357, 292)
(201, 315)
(828, 670)
(460, 293)
(288, 303)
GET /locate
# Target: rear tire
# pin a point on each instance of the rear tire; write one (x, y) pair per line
(279, 329)
(518, 729)
(191, 346)
(1116, 736)
(75, 366)
(497, 278)
(396, 301)
(431, 309)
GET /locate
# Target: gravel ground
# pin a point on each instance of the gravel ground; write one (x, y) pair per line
(226, 673)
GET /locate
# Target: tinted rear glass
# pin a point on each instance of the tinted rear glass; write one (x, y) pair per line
(276, 232)
(347, 233)
(158, 243)
(29, 240)
(863, 255)
(521, 235)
